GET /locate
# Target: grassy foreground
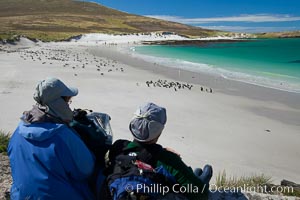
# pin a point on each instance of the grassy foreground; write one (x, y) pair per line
(258, 183)
(4, 139)
(222, 180)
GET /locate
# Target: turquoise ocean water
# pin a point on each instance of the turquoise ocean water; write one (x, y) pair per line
(271, 63)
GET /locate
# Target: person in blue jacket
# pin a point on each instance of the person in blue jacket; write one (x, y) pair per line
(48, 159)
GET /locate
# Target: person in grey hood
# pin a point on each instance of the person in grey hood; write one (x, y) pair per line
(48, 159)
(146, 127)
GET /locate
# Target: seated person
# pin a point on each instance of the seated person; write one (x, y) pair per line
(48, 159)
(146, 128)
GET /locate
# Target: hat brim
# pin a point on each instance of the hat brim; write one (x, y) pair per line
(69, 92)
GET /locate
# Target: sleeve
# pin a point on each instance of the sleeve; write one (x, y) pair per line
(76, 158)
(117, 148)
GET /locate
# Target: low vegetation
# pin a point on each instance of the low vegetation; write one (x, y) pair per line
(60, 19)
(55, 20)
(258, 183)
(287, 34)
(4, 139)
(222, 180)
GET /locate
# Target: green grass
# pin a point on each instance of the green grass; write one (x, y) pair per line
(4, 139)
(295, 193)
(259, 183)
(9, 36)
(60, 19)
(287, 34)
(256, 180)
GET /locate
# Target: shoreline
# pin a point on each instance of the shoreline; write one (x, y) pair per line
(218, 83)
(241, 128)
(193, 42)
(175, 40)
(259, 78)
(277, 105)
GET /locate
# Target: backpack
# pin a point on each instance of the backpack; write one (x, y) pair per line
(133, 175)
(95, 131)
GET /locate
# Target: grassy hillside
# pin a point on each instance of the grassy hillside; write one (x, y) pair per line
(288, 34)
(60, 19)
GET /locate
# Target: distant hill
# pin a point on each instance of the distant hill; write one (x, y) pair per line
(286, 34)
(61, 19)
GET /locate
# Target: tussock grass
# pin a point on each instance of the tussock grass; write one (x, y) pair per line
(222, 180)
(4, 139)
(295, 193)
(261, 183)
(9, 36)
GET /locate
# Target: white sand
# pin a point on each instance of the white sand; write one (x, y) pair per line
(226, 128)
(99, 38)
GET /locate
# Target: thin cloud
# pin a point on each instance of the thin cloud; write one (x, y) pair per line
(241, 18)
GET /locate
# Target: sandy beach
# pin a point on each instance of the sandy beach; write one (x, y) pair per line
(241, 128)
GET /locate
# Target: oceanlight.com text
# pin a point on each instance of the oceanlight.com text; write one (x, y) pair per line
(190, 188)
(247, 188)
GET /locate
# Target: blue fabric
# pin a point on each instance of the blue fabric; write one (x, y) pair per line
(166, 173)
(130, 184)
(100, 183)
(49, 161)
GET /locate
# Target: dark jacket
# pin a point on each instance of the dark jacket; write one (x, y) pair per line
(172, 162)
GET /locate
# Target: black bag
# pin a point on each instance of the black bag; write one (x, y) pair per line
(95, 131)
(132, 167)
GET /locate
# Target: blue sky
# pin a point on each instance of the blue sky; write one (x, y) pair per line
(231, 15)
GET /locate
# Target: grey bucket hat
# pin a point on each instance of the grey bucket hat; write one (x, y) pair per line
(148, 122)
(49, 93)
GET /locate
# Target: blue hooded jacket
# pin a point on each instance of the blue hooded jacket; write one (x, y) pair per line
(49, 161)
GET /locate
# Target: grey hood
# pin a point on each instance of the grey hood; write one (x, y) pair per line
(49, 93)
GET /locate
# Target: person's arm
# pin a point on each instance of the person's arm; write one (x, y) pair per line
(77, 159)
(117, 148)
(183, 174)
